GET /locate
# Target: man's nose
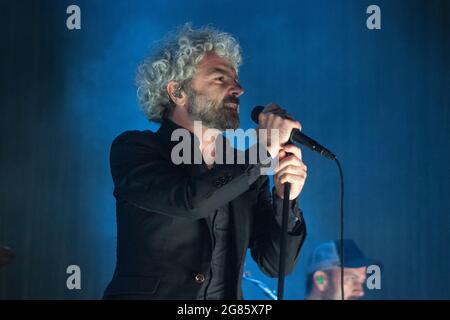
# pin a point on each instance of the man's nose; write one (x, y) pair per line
(237, 90)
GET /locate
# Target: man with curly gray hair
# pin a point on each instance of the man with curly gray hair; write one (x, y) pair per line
(169, 72)
(184, 229)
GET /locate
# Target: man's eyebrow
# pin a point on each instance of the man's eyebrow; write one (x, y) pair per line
(222, 71)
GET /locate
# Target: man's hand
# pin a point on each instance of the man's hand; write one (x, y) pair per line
(290, 169)
(290, 165)
(274, 117)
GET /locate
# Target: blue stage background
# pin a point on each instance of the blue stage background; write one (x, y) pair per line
(380, 99)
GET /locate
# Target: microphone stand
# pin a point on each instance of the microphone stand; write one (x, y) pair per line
(284, 228)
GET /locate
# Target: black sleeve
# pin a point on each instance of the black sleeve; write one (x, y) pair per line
(265, 238)
(146, 179)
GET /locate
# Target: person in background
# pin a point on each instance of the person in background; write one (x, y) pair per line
(323, 281)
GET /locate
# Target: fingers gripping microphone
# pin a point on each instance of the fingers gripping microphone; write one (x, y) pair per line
(297, 136)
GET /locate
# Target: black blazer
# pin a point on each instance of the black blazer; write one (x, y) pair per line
(164, 242)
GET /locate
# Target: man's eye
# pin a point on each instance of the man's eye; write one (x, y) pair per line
(221, 78)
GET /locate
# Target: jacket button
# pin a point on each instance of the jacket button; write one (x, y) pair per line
(200, 278)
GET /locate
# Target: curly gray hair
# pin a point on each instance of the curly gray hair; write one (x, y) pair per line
(175, 59)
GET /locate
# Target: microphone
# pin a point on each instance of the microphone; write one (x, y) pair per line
(297, 136)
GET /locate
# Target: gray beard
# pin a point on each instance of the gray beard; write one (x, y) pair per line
(211, 113)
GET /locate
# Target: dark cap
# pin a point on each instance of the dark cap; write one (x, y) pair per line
(327, 256)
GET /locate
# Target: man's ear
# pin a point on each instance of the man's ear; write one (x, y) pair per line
(320, 280)
(177, 95)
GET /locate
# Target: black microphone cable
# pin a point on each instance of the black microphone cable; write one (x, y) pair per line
(341, 175)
